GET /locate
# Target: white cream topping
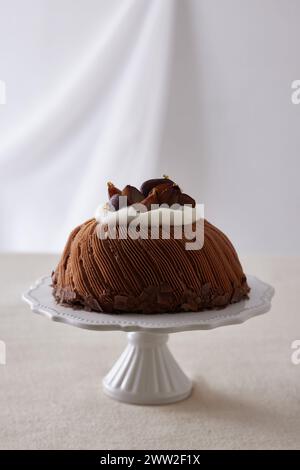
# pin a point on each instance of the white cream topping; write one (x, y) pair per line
(162, 216)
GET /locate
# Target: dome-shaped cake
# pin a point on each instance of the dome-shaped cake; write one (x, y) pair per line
(147, 275)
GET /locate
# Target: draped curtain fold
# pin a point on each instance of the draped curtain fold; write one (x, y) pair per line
(101, 120)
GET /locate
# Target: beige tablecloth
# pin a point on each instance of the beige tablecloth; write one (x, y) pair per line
(246, 388)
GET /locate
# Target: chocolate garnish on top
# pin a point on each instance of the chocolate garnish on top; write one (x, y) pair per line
(148, 185)
(154, 191)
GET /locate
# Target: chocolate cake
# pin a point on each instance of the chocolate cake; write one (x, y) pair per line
(146, 275)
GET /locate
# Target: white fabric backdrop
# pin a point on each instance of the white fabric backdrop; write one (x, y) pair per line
(129, 89)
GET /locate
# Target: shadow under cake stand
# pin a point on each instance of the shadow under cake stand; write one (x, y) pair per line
(146, 373)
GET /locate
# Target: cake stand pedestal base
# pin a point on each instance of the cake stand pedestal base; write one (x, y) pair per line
(146, 373)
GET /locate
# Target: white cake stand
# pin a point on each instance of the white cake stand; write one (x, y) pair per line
(146, 373)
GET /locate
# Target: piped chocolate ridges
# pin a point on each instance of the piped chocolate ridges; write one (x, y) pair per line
(148, 275)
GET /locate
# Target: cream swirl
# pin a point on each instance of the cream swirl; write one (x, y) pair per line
(159, 216)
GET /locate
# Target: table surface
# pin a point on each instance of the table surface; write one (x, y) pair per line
(246, 388)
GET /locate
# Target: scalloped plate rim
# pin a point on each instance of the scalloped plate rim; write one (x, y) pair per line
(141, 322)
